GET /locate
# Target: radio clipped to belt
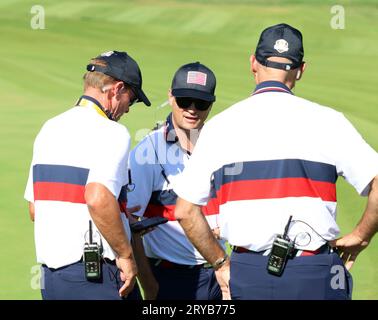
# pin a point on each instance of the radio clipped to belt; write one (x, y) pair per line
(92, 257)
(282, 249)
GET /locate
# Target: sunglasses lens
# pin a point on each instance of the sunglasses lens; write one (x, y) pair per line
(135, 97)
(200, 105)
(184, 102)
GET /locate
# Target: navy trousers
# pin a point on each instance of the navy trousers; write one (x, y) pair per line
(318, 277)
(186, 284)
(70, 283)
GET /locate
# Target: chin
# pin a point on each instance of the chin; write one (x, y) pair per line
(192, 125)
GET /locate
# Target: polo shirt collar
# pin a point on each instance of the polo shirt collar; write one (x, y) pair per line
(85, 101)
(171, 135)
(169, 130)
(271, 86)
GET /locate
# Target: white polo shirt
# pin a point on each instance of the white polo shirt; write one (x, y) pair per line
(273, 155)
(156, 163)
(73, 149)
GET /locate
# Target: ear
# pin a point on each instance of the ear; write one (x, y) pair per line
(300, 71)
(170, 97)
(118, 87)
(253, 63)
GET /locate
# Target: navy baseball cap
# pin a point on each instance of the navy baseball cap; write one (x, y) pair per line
(122, 67)
(194, 80)
(280, 40)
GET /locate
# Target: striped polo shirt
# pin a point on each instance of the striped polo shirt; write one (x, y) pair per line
(156, 164)
(273, 155)
(73, 149)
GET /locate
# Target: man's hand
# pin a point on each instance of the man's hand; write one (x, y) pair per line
(128, 272)
(353, 243)
(31, 211)
(223, 278)
(216, 233)
(349, 248)
(131, 210)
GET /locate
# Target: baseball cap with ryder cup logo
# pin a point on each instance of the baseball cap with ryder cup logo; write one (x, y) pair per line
(121, 66)
(194, 80)
(280, 40)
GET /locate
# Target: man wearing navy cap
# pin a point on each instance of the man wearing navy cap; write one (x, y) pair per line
(156, 164)
(78, 176)
(273, 160)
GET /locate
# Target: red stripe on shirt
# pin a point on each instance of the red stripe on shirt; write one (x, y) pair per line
(168, 211)
(58, 191)
(276, 188)
(211, 208)
(154, 210)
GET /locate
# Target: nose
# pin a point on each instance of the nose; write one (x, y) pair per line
(192, 108)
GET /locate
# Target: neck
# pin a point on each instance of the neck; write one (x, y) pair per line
(187, 138)
(99, 96)
(287, 82)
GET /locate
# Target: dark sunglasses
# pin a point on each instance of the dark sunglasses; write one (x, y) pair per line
(186, 102)
(135, 99)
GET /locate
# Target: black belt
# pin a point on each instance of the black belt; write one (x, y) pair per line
(171, 265)
(305, 253)
(106, 260)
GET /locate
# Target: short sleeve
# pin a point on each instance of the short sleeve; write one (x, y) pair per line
(111, 162)
(356, 160)
(194, 185)
(29, 191)
(142, 176)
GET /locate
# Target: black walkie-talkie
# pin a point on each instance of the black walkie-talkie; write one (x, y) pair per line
(282, 248)
(92, 257)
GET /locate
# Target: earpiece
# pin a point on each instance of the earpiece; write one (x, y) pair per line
(298, 74)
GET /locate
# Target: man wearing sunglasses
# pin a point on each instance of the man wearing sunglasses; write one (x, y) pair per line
(78, 174)
(156, 163)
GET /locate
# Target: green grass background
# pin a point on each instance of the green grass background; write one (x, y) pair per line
(41, 70)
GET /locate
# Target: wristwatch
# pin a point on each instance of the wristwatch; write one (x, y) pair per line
(220, 262)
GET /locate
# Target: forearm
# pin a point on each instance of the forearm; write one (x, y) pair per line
(368, 225)
(104, 210)
(198, 231)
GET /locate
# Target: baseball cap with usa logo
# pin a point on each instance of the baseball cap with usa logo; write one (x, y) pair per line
(280, 40)
(121, 66)
(194, 80)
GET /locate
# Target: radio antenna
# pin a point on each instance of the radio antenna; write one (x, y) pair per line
(287, 227)
(90, 232)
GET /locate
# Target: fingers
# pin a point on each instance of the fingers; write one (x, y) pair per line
(349, 265)
(216, 233)
(122, 276)
(333, 243)
(133, 209)
(226, 294)
(127, 287)
(351, 260)
(348, 259)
